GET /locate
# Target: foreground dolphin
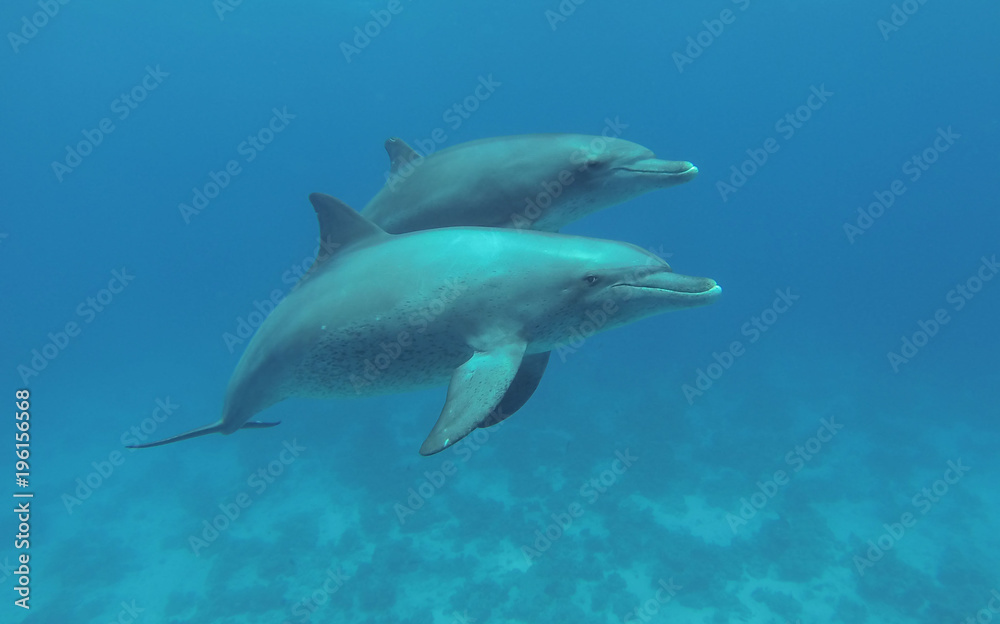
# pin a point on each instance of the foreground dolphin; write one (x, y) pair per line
(531, 181)
(391, 313)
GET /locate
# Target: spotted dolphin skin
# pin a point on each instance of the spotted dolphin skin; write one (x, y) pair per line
(504, 296)
(531, 181)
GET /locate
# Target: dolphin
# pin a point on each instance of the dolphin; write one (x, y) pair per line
(531, 181)
(389, 313)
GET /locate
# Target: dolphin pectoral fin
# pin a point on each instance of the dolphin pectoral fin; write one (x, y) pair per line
(521, 389)
(200, 431)
(476, 388)
(400, 154)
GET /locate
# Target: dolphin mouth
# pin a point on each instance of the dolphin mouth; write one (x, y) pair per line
(677, 171)
(680, 288)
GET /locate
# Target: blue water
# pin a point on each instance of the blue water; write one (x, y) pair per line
(790, 489)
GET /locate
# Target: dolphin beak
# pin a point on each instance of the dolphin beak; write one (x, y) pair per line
(681, 291)
(666, 172)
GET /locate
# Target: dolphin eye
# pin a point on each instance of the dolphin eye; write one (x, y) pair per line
(591, 279)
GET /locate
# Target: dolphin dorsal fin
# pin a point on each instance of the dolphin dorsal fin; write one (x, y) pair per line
(400, 153)
(340, 227)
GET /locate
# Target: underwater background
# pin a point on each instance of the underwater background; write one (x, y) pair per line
(838, 464)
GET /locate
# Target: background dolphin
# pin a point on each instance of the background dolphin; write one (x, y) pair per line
(530, 181)
(456, 305)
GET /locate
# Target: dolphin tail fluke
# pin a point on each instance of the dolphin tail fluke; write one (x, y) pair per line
(200, 431)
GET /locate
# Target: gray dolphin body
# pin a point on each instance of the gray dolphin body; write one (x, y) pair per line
(462, 306)
(531, 181)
